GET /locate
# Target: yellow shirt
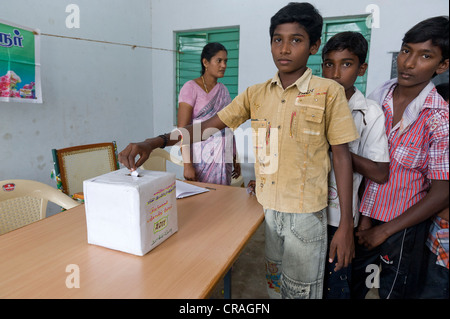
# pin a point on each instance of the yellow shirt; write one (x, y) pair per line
(292, 131)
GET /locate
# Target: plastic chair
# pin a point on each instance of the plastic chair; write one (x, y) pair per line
(24, 201)
(75, 164)
(238, 182)
(157, 160)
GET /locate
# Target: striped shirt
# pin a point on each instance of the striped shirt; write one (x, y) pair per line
(418, 149)
(438, 240)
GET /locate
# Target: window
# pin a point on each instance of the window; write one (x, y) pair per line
(332, 26)
(189, 49)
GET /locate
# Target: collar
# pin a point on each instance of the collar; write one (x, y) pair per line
(302, 82)
(416, 106)
(357, 101)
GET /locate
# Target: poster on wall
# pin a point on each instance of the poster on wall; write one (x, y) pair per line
(20, 79)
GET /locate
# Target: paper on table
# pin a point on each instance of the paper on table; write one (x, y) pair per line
(185, 189)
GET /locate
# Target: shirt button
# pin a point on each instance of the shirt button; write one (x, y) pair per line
(282, 101)
(273, 183)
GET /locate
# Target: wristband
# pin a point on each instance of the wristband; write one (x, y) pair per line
(164, 137)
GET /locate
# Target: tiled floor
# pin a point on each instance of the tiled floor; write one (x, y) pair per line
(248, 272)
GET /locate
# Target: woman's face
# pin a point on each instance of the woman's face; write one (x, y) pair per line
(217, 65)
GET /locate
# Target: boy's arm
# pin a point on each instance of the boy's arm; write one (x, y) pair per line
(233, 115)
(444, 213)
(185, 118)
(128, 156)
(375, 171)
(434, 202)
(342, 243)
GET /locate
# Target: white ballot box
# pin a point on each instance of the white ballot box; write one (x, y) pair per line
(133, 214)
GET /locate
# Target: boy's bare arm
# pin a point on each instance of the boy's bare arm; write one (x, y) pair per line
(128, 156)
(184, 119)
(343, 243)
(444, 213)
(434, 202)
(375, 171)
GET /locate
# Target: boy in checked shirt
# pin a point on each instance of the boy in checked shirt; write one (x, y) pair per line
(394, 225)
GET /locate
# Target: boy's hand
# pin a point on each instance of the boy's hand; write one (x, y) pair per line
(364, 223)
(128, 156)
(251, 187)
(189, 172)
(236, 170)
(343, 247)
(372, 237)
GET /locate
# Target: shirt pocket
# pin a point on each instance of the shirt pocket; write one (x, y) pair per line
(309, 126)
(409, 155)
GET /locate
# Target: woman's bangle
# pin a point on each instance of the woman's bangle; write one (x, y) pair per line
(179, 134)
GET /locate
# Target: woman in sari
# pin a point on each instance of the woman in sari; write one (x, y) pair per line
(212, 160)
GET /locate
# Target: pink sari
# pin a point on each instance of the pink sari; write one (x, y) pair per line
(213, 158)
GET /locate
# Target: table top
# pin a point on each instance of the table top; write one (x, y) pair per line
(41, 259)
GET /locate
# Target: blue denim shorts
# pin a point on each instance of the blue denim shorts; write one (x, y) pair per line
(296, 246)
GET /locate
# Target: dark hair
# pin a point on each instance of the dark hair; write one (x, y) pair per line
(352, 41)
(209, 51)
(434, 29)
(304, 14)
(443, 90)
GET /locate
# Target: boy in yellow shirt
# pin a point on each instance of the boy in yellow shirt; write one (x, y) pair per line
(296, 117)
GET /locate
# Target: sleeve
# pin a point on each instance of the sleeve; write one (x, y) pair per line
(341, 127)
(438, 165)
(373, 136)
(187, 94)
(237, 112)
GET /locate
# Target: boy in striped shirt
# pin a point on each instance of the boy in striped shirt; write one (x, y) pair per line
(394, 225)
